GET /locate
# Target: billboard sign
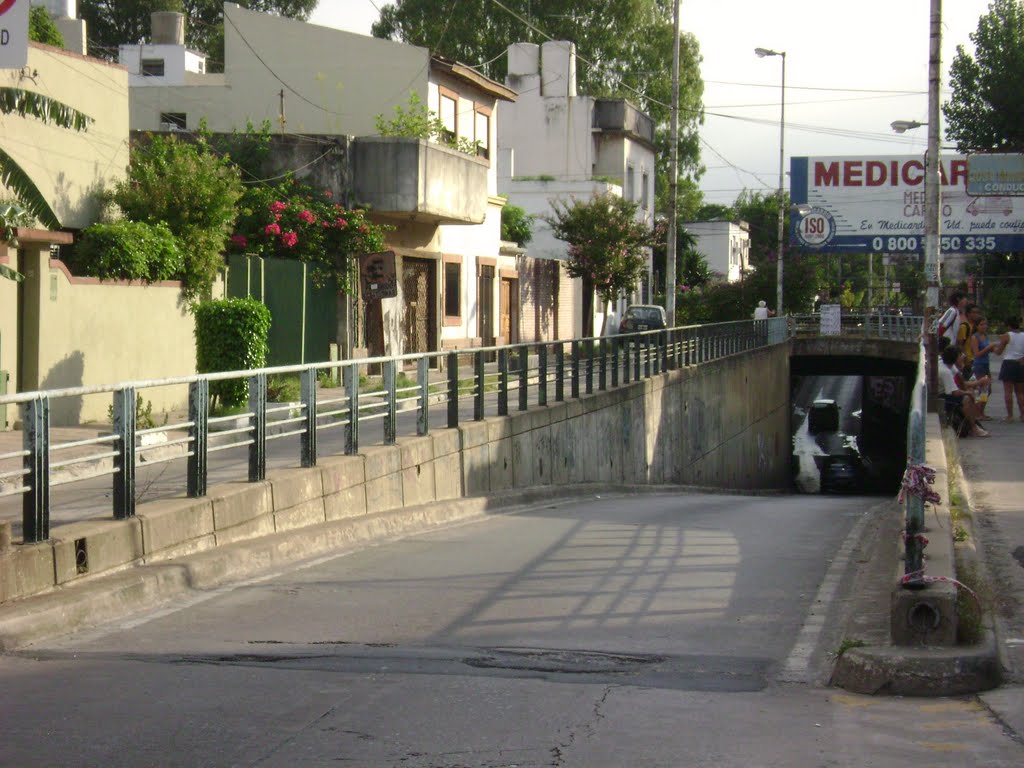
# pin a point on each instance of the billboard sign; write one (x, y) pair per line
(875, 204)
(13, 33)
(999, 175)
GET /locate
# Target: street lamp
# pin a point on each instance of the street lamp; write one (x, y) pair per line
(902, 126)
(761, 53)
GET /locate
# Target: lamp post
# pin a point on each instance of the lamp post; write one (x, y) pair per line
(761, 53)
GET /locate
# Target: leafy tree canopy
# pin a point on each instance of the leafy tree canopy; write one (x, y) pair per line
(606, 243)
(119, 22)
(986, 110)
(624, 48)
(41, 28)
(188, 187)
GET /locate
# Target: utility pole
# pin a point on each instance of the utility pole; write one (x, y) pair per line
(932, 260)
(673, 175)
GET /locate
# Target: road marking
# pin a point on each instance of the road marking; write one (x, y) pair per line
(797, 668)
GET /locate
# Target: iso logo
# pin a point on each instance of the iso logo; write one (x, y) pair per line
(816, 228)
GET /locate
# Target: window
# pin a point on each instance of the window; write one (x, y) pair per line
(645, 194)
(452, 291)
(173, 121)
(483, 133)
(152, 67)
(630, 183)
(449, 113)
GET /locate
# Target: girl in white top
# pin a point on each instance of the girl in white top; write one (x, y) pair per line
(1011, 372)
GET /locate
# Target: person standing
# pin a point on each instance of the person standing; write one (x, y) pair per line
(1011, 372)
(980, 349)
(761, 312)
(949, 323)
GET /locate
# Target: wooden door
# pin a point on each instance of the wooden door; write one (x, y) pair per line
(509, 310)
(485, 306)
(419, 318)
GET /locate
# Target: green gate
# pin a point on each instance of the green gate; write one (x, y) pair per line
(303, 318)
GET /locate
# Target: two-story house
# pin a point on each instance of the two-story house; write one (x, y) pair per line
(558, 145)
(456, 289)
(724, 244)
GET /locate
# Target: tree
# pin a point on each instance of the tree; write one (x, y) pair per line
(986, 110)
(188, 187)
(42, 29)
(606, 244)
(112, 23)
(624, 47)
(290, 219)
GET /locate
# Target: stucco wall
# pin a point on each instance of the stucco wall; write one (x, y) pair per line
(68, 166)
(93, 333)
(349, 78)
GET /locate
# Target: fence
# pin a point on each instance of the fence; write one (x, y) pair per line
(495, 380)
(892, 327)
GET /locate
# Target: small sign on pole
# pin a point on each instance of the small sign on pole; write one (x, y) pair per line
(13, 33)
(831, 319)
(379, 275)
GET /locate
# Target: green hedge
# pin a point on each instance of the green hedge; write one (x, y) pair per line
(231, 335)
(127, 250)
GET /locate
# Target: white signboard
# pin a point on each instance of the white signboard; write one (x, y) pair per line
(13, 33)
(998, 175)
(831, 319)
(875, 204)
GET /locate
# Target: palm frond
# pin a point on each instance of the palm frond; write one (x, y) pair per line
(18, 101)
(13, 176)
(10, 274)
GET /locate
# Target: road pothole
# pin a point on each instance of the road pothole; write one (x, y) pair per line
(563, 661)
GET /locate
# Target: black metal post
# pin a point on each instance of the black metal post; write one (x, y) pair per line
(559, 372)
(481, 379)
(602, 373)
(124, 461)
(453, 390)
(352, 428)
(198, 434)
(574, 384)
(390, 402)
(423, 412)
(35, 439)
(542, 374)
(524, 377)
(258, 446)
(503, 382)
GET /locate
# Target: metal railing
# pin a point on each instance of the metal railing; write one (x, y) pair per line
(913, 561)
(496, 380)
(876, 326)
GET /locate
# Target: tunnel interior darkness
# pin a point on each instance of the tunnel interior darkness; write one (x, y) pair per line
(848, 422)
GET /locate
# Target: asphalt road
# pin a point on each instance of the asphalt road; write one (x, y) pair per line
(621, 631)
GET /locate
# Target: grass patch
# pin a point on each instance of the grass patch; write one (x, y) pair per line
(284, 388)
(229, 410)
(969, 611)
(847, 644)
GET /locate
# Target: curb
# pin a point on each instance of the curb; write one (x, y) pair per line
(112, 596)
(919, 671)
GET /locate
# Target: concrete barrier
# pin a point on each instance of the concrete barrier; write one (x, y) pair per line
(723, 424)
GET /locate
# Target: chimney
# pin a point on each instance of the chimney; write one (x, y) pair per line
(168, 28)
(558, 68)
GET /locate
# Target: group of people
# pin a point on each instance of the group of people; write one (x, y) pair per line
(964, 372)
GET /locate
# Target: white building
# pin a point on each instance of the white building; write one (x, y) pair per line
(725, 245)
(558, 145)
(456, 288)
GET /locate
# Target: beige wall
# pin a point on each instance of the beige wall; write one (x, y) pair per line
(93, 333)
(8, 326)
(69, 166)
(353, 77)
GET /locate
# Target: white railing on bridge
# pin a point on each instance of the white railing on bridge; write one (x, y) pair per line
(867, 325)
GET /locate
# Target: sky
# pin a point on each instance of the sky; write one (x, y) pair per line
(849, 66)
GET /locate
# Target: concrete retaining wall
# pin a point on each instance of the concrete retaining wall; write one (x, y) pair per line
(724, 424)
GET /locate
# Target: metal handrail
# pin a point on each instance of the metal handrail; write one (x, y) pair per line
(913, 561)
(518, 376)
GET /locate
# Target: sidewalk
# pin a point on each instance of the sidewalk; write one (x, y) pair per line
(992, 484)
(993, 472)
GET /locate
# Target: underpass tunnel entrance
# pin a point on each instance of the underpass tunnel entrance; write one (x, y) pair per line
(849, 423)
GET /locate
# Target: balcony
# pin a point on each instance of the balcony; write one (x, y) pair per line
(418, 180)
(619, 116)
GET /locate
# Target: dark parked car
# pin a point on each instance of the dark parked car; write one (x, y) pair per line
(842, 474)
(642, 317)
(823, 417)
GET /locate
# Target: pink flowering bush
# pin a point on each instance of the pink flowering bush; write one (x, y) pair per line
(293, 220)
